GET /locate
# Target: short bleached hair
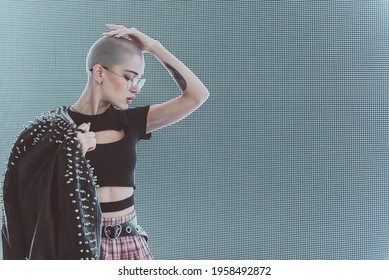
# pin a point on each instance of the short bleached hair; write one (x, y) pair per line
(111, 51)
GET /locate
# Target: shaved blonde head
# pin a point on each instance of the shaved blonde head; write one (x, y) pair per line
(110, 51)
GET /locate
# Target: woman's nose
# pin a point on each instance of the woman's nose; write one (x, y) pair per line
(135, 89)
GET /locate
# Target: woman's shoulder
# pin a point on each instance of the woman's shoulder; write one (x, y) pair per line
(135, 112)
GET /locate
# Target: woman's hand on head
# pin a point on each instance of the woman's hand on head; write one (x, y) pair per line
(86, 138)
(143, 41)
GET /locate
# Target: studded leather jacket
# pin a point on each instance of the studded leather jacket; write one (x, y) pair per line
(50, 204)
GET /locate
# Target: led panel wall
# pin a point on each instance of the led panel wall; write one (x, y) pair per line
(288, 158)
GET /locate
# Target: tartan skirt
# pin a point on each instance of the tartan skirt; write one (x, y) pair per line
(125, 247)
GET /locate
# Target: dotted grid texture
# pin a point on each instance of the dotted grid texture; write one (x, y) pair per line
(288, 159)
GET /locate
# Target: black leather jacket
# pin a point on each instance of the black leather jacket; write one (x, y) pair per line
(51, 209)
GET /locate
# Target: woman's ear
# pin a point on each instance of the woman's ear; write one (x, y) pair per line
(97, 73)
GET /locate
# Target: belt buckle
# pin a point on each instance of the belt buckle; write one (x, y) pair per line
(114, 231)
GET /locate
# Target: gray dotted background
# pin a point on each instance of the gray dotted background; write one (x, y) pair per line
(288, 159)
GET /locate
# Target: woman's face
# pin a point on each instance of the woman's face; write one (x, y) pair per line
(117, 86)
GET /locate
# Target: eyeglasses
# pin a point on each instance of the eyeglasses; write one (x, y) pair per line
(130, 82)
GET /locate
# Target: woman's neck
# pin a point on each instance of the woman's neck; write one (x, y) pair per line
(90, 102)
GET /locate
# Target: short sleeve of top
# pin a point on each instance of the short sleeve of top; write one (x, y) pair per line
(137, 120)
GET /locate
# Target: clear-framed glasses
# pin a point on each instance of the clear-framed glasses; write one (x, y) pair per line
(130, 82)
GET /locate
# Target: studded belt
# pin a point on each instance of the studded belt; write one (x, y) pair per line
(125, 229)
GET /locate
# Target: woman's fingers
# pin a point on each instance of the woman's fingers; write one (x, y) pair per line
(143, 41)
(110, 33)
(85, 138)
(83, 127)
(122, 32)
(89, 141)
(111, 25)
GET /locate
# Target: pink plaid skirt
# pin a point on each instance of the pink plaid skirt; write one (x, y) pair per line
(124, 247)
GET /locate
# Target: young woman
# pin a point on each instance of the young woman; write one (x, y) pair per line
(93, 142)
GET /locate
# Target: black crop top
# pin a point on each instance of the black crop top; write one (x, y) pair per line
(114, 163)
